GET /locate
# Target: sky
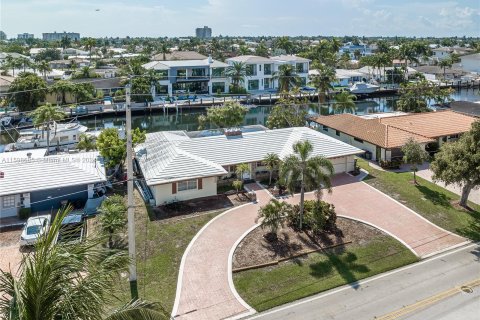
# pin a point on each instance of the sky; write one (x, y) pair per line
(160, 18)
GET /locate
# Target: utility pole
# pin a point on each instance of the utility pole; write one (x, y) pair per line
(131, 208)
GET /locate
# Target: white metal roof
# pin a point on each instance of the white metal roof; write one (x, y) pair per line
(173, 156)
(289, 58)
(165, 65)
(22, 175)
(251, 59)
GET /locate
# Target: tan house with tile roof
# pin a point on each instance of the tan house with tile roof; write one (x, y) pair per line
(383, 137)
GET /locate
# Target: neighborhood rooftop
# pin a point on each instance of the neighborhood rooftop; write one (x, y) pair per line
(173, 156)
(393, 132)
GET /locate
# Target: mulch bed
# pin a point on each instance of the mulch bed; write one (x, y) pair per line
(255, 250)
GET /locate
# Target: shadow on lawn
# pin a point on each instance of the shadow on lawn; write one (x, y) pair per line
(433, 196)
(345, 263)
(473, 230)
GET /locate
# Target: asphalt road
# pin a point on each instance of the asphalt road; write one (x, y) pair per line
(428, 288)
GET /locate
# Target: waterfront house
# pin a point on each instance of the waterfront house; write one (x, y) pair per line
(29, 179)
(383, 135)
(343, 77)
(177, 167)
(204, 76)
(351, 48)
(299, 64)
(179, 55)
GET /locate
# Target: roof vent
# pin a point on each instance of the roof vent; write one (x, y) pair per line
(233, 132)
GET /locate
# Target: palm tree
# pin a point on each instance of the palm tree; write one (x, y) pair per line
(237, 72)
(44, 115)
(89, 44)
(164, 50)
(86, 143)
(61, 88)
(69, 281)
(24, 62)
(323, 80)
(287, 78)
(241, 169)
(344, 102)
(44, 67)
(271, 161)
(272, 215)
(113, 217)
(65, 42)
(445, 63)
(243, 50)
(311, 172)
(85, 72)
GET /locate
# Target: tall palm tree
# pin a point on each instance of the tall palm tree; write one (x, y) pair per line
(344, 102)
(44, 67)
(241, 169)
(287, 78)
(271, 161)
(113, 217)
(323, 80)
(69, 281)
(310, 172)
(445, 63)
(164, 49)
(44, 115)
(237, 72)
(62, 88)
(243, 50)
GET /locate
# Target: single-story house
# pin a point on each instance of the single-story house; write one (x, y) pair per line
(177, 167)
(29, 179)
(384, 136)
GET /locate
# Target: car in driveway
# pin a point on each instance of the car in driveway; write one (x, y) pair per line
(34, 229)
(72, 228)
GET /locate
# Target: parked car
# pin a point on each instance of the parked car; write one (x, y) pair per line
(72, 228)
(34, 229)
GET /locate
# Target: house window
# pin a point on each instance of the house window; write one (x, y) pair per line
(181, 74)
(253, 84)
(267, 83)
(187, 185)
(337, 133)
(325, 128)
(198, 73)
(250, 70)
(300, 68)
(358, 140)
(218, 87)
(267, 69)
(260, 67)
(259, 164)
(8, 202)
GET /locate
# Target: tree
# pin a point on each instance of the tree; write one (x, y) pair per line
(26, 91)
(69, 281)
(309, 171)
(164, 49)
(344, 102)
(61, 88)
(237, 184)
(284, 43)
(86, 142)
(113, 217)
(236, 72)
(414, 155)
(113, 149)
(141, 87)
(289, 111)
(231, 114)
(89, 44)
(445, 63)
(44, 67)
(271, 161)
(287, 78)
(241, 169)
(65, 42)
(459, 162)
(44, 116)
(322, 80)
(261, 50)
(272, 217)
(48, 55)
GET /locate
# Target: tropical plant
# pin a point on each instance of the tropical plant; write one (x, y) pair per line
(65, 42)
(287, 78)
(345, 102)
(272, 161)
(241, 169)
(113, 217)
(69, 281)
(237, 72)
(44, 67)
(237, 184)
(113, 149)
(229, 115)
(318, 216)
(322, 80)
(164, 49)
(62, 88)
(272, 217)
(26, 91)
(459, 162)
(310, 172)
(43, 117)
(445, 63)
(414, 155)
(86, 142)
(289, 111)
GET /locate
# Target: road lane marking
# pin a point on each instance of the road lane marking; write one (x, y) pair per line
(429, 301)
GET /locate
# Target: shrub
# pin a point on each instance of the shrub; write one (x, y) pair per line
(318, 216)
(24, 213)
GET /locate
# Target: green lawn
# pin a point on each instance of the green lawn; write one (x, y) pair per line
(268, 287)
(428, 199)
(160, 247)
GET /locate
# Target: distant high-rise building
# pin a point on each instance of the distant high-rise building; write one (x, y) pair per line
(49, 36)
(3, 36)
(24, 36)
(203, 33)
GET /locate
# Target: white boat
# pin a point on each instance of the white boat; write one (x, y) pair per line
(65, 135)
(363, 88)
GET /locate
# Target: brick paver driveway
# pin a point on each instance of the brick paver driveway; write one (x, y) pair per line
(10, 255)
(205, 289)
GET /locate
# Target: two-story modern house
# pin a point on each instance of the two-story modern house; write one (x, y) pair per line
(205, 76)
(299, 64)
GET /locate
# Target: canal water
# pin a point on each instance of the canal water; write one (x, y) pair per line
(188, 119)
